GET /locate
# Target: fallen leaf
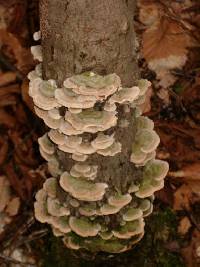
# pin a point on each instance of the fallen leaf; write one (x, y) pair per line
(184, 226)
(3, 149)
(188, 172)
(7, 119)
(164, 42)
(146, 106)
(25, 95)
(182, 198)
(180, 140)
(11, 46)
(7, 77)
(163, 94)
(191, 252)
(13, 206)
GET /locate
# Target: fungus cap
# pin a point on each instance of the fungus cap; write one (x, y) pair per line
(125, 95)
(37, 36)
(108, 209)
(156, 169)
(112, 150)
(82, 189)
(143, 84)
(62, 224)
(132, 214)
(50, 186)
(67, 98)
(46, 145)
(103, 141)
(79, 157)
(55, 208)
(93, 84)
(91, 121)
(119, 200)
(67, 129)
(130, 229)
(48, 120)
(83, 227)
(54, 167)
(148, 140)
(57, 137)
(36, 51)
(84, 171)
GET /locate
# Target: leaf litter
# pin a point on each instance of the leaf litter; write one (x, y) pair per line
(174, 107)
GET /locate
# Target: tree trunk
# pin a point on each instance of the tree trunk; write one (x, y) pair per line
(85, 35)
(104, 198)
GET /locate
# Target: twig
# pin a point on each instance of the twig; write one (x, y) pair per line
(20, 232)
(33, 236)
(8, 259)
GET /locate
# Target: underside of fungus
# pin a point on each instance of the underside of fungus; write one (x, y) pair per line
(101, 155)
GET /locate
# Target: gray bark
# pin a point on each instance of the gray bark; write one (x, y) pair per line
(94, 35)
(85, 35)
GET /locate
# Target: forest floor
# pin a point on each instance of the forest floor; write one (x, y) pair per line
(169, 35)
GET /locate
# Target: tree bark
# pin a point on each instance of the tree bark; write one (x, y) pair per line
(98, 36)
(85, 35)
(100, 150)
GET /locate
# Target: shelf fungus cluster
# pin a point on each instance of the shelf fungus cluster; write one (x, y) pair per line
(82, 205)
(9, 203)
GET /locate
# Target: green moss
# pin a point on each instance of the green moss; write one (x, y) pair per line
(150, 252)
(178, 89)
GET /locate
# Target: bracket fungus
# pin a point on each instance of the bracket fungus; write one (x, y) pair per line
(83, 202)
(91, 121)
(153, 178)
(84, 170)
(81, 188)
(84, 227)
(36, 51)
(92, 84)
(145, 143)
(125, 95)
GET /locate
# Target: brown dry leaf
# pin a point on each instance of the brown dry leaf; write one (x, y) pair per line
(182, 198)
(14, 179)
(195, 186)
(190, 174)
(163, 94)
(8, 90)
(184, 226)
(191, 252)
(146, 106)
(12, 47)
(7, 77)
(166, 194)
(13, 206)
(164, 42)
(7, 119)
(181, 141)
(191, 99)
(3, 149)
(25, 95)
